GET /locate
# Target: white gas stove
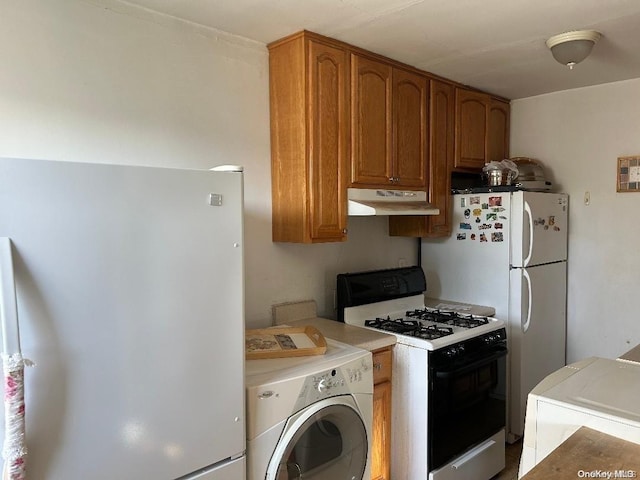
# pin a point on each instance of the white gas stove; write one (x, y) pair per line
(448, 377)
(419, 326)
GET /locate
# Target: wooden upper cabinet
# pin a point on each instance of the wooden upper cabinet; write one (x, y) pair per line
(441, 148)
(410, 129)
(482, 129)
(328, 152)
(388, 125)
(498, 130)
(342, 116)
(472, 114)
(309, 83)
(371, 117)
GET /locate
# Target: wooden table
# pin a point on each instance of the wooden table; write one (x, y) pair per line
(588, 451)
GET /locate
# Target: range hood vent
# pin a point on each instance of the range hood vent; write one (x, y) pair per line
(367, 202)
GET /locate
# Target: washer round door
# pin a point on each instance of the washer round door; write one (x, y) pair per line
(326, 440)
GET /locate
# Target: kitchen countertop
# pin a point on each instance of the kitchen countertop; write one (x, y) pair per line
(588, 451)
(303, 313)
(364, 338)
(632, 355)
(300, 314)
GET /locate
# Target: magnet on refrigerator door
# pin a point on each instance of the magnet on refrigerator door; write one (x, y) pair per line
(462, 236)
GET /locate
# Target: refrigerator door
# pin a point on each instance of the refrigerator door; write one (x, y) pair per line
(130, 300)
(539, 228)
(537, 332)
(472, 265)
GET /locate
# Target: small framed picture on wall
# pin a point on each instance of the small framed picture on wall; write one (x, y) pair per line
(629, 174)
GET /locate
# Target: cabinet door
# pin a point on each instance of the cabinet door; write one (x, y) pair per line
(381, 434)
(328, 141)
(370, 122)
(410, 129)
(498, 133)
(472, 111)
(442, 148)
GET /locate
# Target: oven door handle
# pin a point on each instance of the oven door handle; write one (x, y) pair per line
(481, 362)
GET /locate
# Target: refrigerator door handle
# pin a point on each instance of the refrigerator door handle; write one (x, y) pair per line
(527, 322)
(527, 209)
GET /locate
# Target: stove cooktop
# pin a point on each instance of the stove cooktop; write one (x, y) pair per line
(426, 323)
(392, 301)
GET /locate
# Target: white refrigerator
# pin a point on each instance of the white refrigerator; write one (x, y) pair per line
(509, 250)
(129, 292)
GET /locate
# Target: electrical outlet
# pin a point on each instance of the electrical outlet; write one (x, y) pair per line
(587, 198)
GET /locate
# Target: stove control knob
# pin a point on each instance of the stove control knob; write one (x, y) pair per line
(322, 386)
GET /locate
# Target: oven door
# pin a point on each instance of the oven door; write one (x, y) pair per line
(327, 440)
(467, 402)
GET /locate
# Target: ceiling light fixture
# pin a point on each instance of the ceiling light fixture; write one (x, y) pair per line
(571, 48)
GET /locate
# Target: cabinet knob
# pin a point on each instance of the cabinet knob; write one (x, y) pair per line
(344, 230)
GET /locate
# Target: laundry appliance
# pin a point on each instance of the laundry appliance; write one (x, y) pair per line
(310, 417)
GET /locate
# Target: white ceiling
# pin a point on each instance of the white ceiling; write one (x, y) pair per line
(494, 45)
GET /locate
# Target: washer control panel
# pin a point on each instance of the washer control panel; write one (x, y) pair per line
(356, 376)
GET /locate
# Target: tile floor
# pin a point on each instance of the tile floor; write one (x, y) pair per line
(512, 461)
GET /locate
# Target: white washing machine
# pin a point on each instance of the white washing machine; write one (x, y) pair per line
(310, 417)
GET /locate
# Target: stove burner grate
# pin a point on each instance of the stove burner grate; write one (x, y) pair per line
(412, 328)
(454, 319)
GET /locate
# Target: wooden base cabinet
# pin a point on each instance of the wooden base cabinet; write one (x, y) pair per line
(381, 430)
(309, 81)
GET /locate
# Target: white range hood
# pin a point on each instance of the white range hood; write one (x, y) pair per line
(367, 202)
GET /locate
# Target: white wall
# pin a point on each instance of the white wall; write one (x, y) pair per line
(578, 135)
(101, 81)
